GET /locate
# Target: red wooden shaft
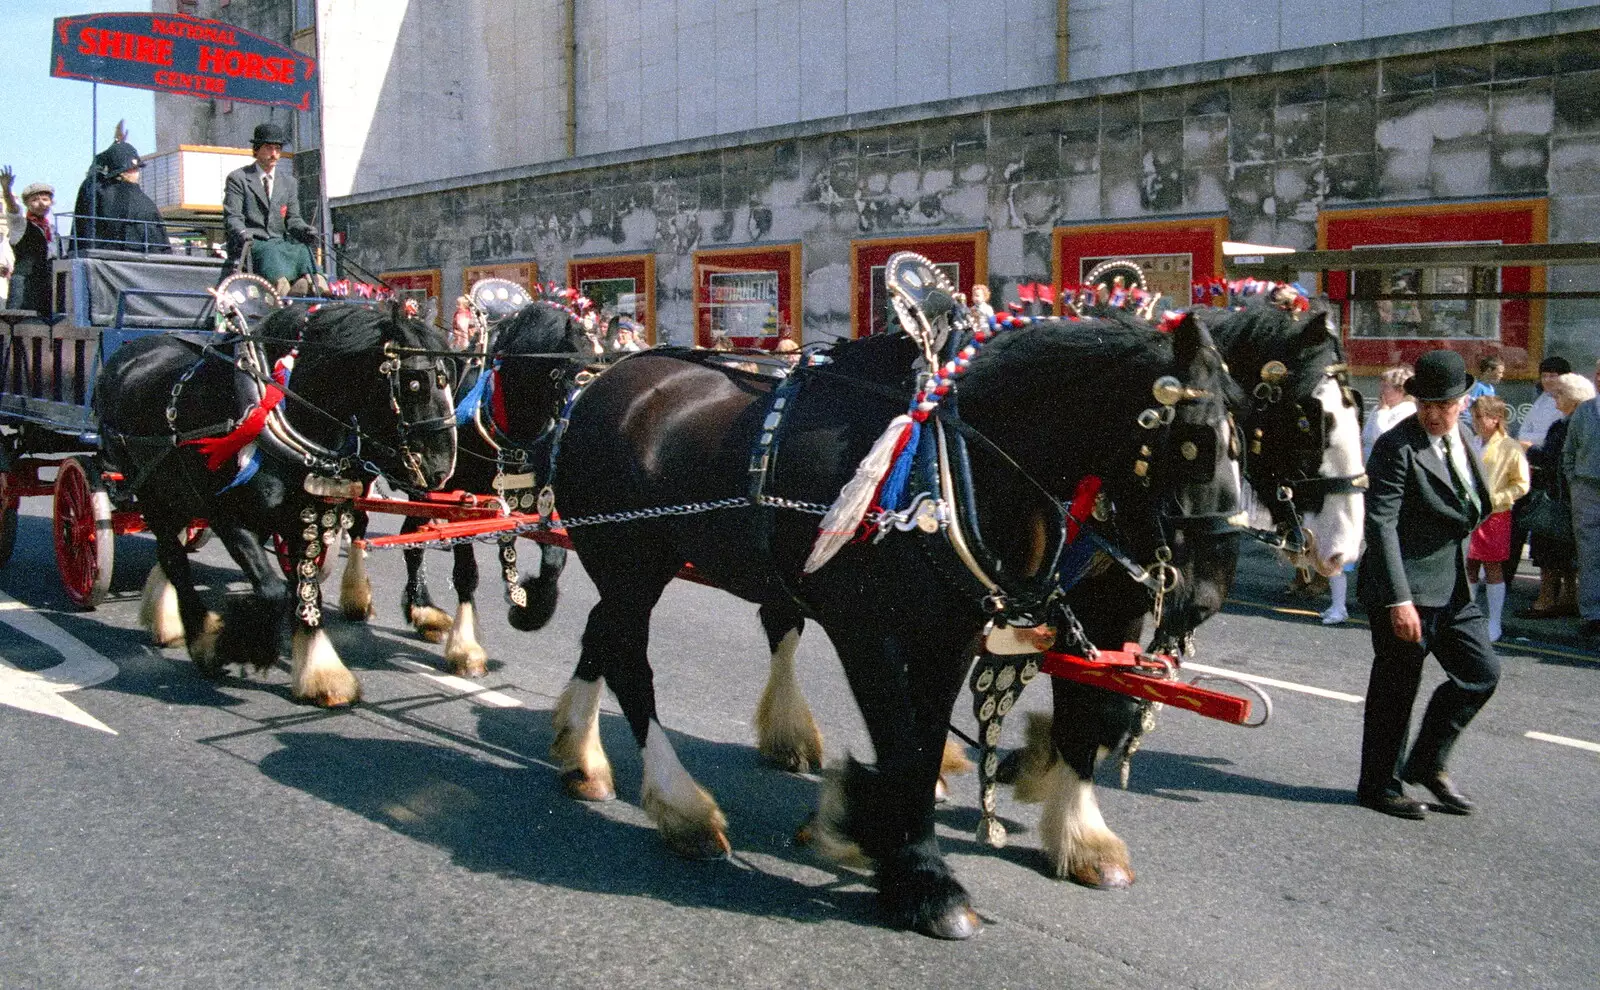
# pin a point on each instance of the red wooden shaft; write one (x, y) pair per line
(1115, 673)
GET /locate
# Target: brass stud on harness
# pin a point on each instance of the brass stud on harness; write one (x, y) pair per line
(1274, 372)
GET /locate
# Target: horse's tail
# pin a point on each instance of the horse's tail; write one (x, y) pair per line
(543, 590)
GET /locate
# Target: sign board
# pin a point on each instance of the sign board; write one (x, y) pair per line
(176, 53)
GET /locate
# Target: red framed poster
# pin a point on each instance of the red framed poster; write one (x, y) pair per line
(524, 273)
(1383, 332)
(1173, 253)
(623, 283)
(421, 285)
(964, 259)
(747, 297)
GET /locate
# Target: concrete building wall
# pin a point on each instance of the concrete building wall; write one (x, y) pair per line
(1457, 115)
(415, 91)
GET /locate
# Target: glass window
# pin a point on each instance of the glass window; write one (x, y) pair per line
(1425, 318)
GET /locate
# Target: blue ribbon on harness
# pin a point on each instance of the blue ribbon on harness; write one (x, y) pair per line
(467, 408)
(246, 472)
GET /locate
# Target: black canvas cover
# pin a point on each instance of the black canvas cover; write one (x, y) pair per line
(156, 291)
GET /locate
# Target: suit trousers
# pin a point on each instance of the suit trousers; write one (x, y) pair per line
(1586, 527)
(1458, 636)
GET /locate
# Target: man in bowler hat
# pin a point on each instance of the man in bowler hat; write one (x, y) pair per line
(1427, 495)
(261, 206)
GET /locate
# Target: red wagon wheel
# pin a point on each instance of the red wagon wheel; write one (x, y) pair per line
(8, 518)
(84, 540)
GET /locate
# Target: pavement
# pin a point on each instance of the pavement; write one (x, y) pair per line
(1264, 581)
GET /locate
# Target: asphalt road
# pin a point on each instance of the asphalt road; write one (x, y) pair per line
(219, 835)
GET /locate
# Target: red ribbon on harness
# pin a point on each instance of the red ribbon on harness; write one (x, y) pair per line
(218, 450)
(1082, 504)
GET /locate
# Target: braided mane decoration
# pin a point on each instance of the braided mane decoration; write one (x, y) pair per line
(881, 477)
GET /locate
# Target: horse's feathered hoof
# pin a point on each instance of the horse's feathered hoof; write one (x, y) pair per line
(588, 786)
(203, 648)
(918, 892)
(1103, 876)
(543, 594)
(956, 925)
(472, 663)
(431, 623)
(698, 844)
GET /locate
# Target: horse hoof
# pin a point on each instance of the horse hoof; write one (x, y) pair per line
(584, 787)
(432, 624)
(941, 791)
(203, 650)
(1110, 876)
(331, 698)
(955, 925)
(471, 661)
(698, 844)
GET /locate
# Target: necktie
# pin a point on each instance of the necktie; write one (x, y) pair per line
(266, 183)
(1463, 490)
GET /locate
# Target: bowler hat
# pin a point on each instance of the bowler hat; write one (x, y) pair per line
(268, 133)
(1555, 366)
(1441, 377)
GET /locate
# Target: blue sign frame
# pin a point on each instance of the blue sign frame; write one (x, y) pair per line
(177, 53)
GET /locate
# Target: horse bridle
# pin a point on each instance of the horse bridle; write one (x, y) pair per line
(402, 380)
(1293, 470)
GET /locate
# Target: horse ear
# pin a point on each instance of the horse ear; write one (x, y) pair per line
(1189, 338)
(1317, 326)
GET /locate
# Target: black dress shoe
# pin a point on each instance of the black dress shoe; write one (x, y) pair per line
(1444, 791)
(1397, 805)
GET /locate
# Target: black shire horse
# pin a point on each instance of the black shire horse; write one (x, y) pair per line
(1299, 425)
(670, 430)
(365, 394)
(507, 423)
(1302, 459)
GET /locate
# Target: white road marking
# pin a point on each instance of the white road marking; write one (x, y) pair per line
(1273, 682)
(1564, 741)
(40, 691)
(493, 699)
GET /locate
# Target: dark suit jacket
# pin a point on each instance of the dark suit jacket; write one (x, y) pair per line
(1417, 526)
(247, 213)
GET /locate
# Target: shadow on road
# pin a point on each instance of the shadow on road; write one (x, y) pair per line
(516, 821)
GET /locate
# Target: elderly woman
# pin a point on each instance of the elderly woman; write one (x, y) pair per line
(1393, 406)
(1556, 558)
(1580, 464)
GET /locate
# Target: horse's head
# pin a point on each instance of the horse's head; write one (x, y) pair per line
(528, 354)
(1303, 431)
(383, 370)
(1146, 414)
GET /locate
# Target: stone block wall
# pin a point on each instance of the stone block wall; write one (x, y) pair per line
(1515, 118)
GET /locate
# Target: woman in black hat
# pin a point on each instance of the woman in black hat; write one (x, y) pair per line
(1428, 493)
(112, 212)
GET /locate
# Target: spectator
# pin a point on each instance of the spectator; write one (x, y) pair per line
(261, 209)
(463, 326)
(1490, 370)
(1580, 462)
(1556, 558)
(1428, 494)
(1531, 434)
(30, 236)
(982, 311)
(112, 211)
(8, 257)
(1393, 406)
(1506, 469)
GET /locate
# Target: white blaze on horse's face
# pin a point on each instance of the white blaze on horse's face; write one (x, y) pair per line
(1335, 529)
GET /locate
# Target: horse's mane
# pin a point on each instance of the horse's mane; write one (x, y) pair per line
(881, 357)
(338, 332)
(538, 328)
(1261, 332)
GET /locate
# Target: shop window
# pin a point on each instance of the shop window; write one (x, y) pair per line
(420, 286)
(621, 284)
(524, 273)
(1174, 254)
(963, 258)
(1393, 315)
(1420, 317)
(747, 297)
